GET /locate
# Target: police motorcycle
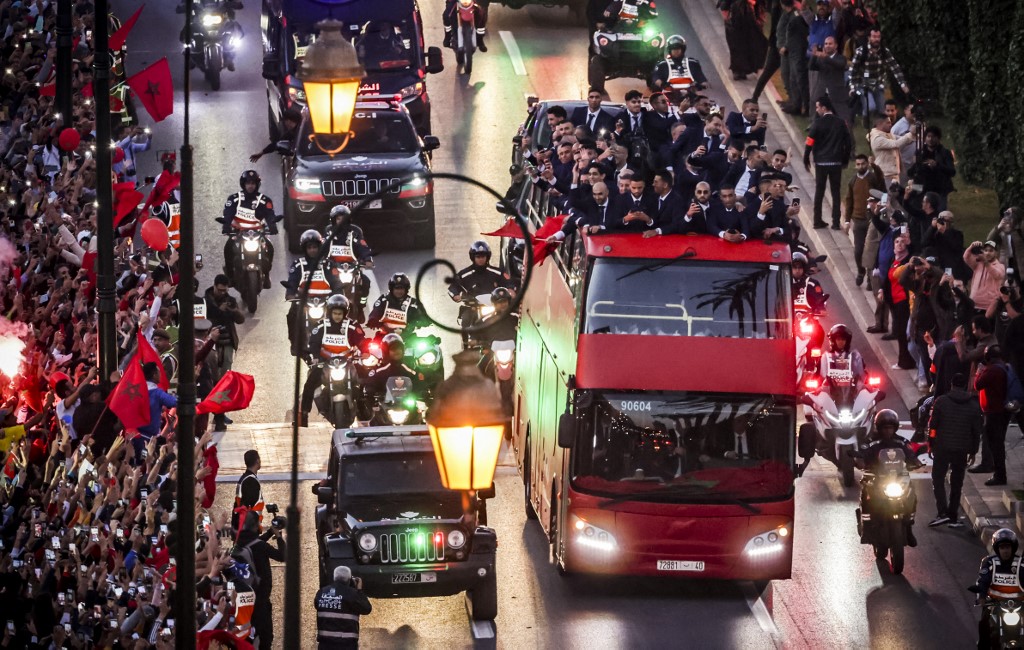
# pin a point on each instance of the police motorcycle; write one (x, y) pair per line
(810, 335)
(335, 397)
(840, 408)
(999, 592)
(627, 44)
(423, 354)
(349, 275)
(215, 29)
(399, 405)
(250, 243)
(887, 502)
(464, 38)
(346, 266)
(682, 77)
(479, 309)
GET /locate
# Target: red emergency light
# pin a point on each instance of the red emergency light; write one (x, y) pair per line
(874, 380)
(812, 383)
(806, 327)
(815, 353)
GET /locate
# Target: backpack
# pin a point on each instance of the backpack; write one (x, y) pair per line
(245, 556)
(1014, 389)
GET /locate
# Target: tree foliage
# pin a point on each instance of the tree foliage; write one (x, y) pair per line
(968, 58)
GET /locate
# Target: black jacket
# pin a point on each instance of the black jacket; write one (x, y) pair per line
(829, 140)
(956, 423)
(262, 554)
(338, 608)
(603, 121)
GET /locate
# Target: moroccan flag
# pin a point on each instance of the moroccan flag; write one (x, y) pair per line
(232, 393)
(147, 353)
(541, 249)
(117, 39)
(130, 399)
(154, 88)
(165, 184)
(126, 199)
(509, 229)
(49, 90)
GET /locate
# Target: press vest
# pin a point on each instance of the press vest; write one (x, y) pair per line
(334, 625)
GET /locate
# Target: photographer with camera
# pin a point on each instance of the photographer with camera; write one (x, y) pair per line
(948, 243)
(339, 605)
(252, 548)
(989, 274)
(934, 170)
(1009, 238)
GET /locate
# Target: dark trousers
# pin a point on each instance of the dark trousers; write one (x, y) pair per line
(263, 621)
(833, 175)
(995, 436)
(954, 464)
(313, 381)
(799, 90)
(900, 317)
(771, 65)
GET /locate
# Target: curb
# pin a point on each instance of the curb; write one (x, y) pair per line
(838, 245)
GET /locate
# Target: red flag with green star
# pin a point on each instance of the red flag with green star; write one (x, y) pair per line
(232, 393)
(130, 399)
(154, 88)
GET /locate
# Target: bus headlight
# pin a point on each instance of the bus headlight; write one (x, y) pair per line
(368, 542)
(398, 416)
(456, 539)
(592, 537)
(767, 543)
(893, 490)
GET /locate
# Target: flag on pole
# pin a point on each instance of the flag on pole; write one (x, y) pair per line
(130, 399)
(232, 393)
(154, 88)
(147, 353)
(118, 38)
(509, 229)
(541, 249)
(126, 199)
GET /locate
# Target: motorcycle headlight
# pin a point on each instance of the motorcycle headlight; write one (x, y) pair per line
(369, 361)
(251, 245)
(428, 358)
(338, 373)
(316, 312)
(845, 416)
(398, 416)
(345, 277)
(893, 490)
(235, 42)
(368, 542)
(486, 311)
(456, 539)
(503, 356)
(306, 184)
(1011, 618)
(212, 20)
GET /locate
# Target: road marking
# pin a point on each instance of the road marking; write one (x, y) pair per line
(760, 609)
(513, 52)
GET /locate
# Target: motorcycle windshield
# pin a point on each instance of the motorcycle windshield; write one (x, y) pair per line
(684, 446)
(891, 462)
(398, 388)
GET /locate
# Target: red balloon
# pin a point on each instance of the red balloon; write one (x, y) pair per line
(118, 155)
(68, 139)
(154, 233)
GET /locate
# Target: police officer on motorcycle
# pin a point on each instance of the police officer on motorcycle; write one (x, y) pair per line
(397, 311)
(450, 20)
(999, 578)
(322, 282)
(634, 10)
(248, 209)
(677, 64)
(807, 293)
(502, 325)
(841, 357)
(335, 337)
(230, 28)
(349, 246)
(886, 425)
(477, 279)
(376, 381)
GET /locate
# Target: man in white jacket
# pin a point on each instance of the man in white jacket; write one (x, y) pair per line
(886, 148)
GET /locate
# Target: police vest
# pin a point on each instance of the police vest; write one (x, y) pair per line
(334, 626)
(245, 218)
(679, 75)
(260, 503)
(800, 295)
(335, 344)
(840, 370)
(342, 252)
(1005, 585)
(396, 317)
(174, 224)
(318, 284)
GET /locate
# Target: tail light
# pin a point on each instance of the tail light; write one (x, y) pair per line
(812, 383)
(815, 353)
(874, 381)
(806, 327)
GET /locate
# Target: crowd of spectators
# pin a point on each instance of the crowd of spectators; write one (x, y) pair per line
(87, 518)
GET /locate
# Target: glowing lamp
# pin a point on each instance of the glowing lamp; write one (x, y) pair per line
(815, 353)
(874, 380)
(331, 75)
(806, 327)
(812, 383)
(466, 424)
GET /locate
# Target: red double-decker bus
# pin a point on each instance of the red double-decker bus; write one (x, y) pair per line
(655, 406)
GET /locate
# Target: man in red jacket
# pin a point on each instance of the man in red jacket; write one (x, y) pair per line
(991, 386)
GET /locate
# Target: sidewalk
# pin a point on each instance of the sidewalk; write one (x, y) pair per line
(987, 508)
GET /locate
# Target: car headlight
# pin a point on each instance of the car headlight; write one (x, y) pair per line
(368, 542)
(428, 358)
(212, 20)
(338, 373)
(1011, 618)
(251, 245)
(503, 356)
(306, 184)
(456, 539)
(893, 490)
(316, 312)
(412, 90)
(398, 416)
(345, 277)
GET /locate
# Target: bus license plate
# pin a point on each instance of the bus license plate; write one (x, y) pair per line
(680, 565)
(372, 205)
(404, 578)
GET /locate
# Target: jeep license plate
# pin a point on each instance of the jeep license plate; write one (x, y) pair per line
(680, 565)
(404, 578)
(372, 205)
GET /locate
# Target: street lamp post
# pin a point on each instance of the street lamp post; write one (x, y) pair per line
(330, 75)
(466, 424)
(105, 290)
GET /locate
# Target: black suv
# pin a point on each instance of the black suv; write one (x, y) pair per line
(385, 515)
(384, 149)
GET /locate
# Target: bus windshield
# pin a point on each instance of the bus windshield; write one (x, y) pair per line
(688, 298)
(684, 446)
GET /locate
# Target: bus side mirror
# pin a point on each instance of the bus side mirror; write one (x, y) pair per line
(566, 430)
(271, 68)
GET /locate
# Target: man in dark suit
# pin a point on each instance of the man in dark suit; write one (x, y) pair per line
(630, 118)
(717, 164)
(747, 124)
(743, 174)
(768, 218)
(592, 216)
(724, 219)
(582, 194)
(694, 116)
(657, 123)
(635, 210)
(592, 115)
(701, 141)
(674, 217)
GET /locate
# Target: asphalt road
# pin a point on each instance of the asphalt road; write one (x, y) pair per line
(838, 597)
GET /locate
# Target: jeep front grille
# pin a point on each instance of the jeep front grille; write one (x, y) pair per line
(359, 187)
(412, 547)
